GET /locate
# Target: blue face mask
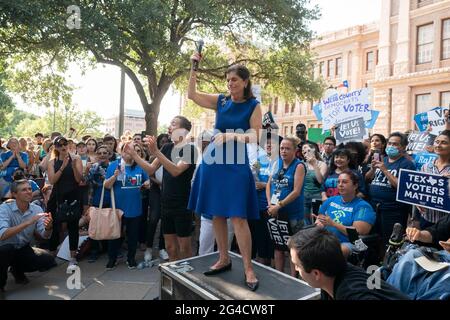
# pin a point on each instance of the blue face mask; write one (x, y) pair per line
(392, 152)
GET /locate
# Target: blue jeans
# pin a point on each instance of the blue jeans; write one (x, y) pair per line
(132, 228)
(416, 282)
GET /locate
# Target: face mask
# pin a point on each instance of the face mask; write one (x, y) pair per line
(392, 152)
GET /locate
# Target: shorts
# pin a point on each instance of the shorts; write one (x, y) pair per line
(176, 221)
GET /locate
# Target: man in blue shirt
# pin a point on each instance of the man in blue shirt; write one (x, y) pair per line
(13, 159)
(19, 220)
(383, 188)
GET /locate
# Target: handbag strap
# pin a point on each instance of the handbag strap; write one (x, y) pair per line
(113, 200)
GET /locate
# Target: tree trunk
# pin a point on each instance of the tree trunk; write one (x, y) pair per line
(151, 118)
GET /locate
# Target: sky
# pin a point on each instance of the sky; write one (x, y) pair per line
(99, 89)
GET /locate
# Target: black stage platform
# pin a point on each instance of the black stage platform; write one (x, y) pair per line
(184, 280)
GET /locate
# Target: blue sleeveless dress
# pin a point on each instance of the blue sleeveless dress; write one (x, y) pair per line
(224, 185)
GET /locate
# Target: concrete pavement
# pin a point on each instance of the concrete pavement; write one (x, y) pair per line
(97, 283)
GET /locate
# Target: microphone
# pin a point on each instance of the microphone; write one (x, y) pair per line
(199, 46)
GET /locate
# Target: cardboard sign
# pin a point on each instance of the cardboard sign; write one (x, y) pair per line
(424, 189)
(353, 130)
(418, 141)
(339, 108)
(422, 158)
(433, 118)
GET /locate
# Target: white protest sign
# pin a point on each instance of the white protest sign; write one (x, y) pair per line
(339, 108)
(436, 120)
(256, 89)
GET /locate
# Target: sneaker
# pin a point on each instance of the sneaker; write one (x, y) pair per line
(148, 255)
(131, 264)
(73, 264)
(120, 255)
(163, 254)
(111, 265)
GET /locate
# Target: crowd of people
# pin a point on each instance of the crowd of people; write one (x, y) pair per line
(319, 192)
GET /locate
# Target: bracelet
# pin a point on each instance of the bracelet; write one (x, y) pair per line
(280, 203)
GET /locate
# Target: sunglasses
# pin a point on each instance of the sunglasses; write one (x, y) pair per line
(63, 144)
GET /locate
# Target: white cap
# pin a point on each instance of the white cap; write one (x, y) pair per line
(207, 135)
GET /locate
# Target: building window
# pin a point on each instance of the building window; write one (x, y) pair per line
(286, 107)
(446, 39)
(423, 102)
(445, 99)
(331, 71)
(275, 106)
(292, 129)
(293, 107)
(370, 60)
(425, 37)
(322, 70)
(270, 107)
(339, 67)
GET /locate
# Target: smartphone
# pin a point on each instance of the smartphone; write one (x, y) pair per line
(376, 155)
(143, 134)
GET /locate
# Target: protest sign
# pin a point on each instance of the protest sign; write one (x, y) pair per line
(347, 106)
(268, 121)
(278, 231)
(318, 111)
(418, 141)
(353, 130)
(316, 135)
(371, 123)
(433, 118)
(423, 189)
(422, 158)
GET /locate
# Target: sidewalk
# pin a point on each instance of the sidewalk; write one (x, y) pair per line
(97, 283)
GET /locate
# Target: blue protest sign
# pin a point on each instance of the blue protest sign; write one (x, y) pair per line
(318, 111)
(371, 123)
(434, 118)
(424, 189)
(422, 158)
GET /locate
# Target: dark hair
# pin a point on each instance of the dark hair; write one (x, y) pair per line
(445, 133)
(360, 151)
(184, 123)
(19, 174)
(383, 140)
(159, 139)
(353, 176)
(333, 139)
(300, 125)
(319, 249)
(243, 73)
(95, 141)
(15, 185)
(403, 138)
(110, 138)
(102, 147)
(341, 152)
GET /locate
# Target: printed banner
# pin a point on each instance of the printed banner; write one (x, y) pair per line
(268, 120)
(353, 130)
(339, 108)
(278, 231)
(418, 141)
(424, 189)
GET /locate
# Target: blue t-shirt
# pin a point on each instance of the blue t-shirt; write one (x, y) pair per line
(127, 188)
(96, 177)
(264, 172)
(347, 213)
(331, 182)
(13, 165)
(381, 189)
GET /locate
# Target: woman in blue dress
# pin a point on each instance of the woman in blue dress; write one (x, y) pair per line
(224, 186)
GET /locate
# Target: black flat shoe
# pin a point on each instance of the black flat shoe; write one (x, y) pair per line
(252, 285)
(212, 272)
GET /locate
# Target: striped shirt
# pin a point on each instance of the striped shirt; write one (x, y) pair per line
(431, 215)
